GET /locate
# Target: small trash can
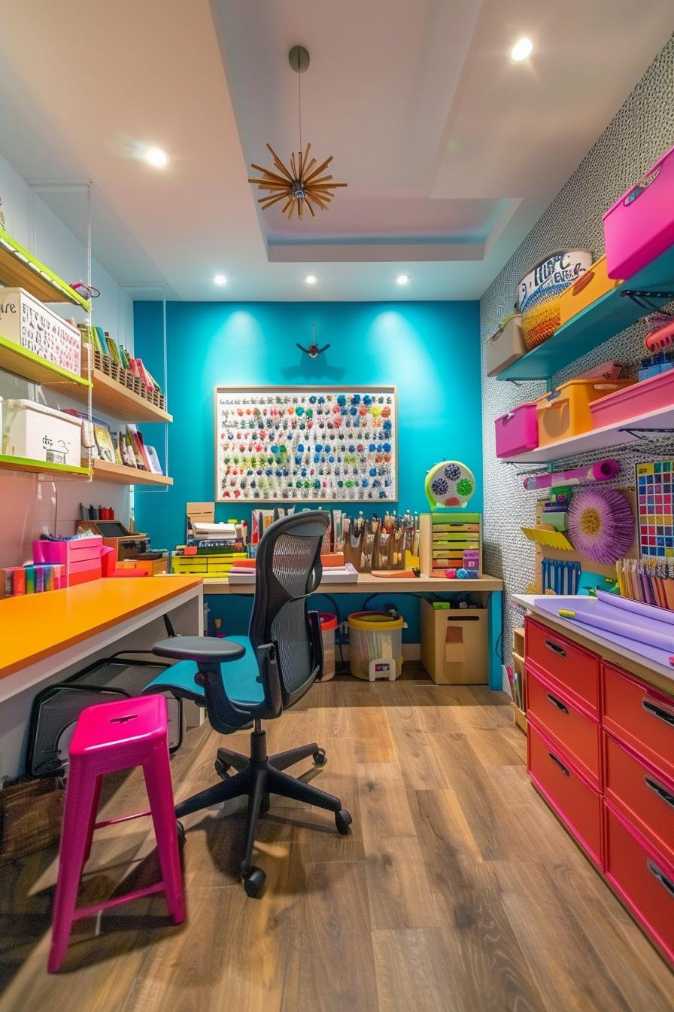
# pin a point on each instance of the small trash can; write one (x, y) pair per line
(375, 644)
(328, 631)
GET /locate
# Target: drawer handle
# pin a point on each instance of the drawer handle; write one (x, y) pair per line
(558, 703)
(555, 647)
(661, 877)
(658, 711)
(558, 762)
(661, 791)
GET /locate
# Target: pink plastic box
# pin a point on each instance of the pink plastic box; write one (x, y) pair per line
(517, 431)
(640, 225)
(637, 399)
(81, 558)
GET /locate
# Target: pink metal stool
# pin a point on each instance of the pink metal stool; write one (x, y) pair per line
(109, 738)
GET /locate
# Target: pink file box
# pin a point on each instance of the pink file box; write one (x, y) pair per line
(517, 431)
(81, 559)
(640, 225)
(640, 398)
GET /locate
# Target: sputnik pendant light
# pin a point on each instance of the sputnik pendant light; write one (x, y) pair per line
(302, 183)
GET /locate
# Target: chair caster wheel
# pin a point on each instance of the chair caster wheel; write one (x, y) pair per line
(320, 758)
(343, 821)
(181, 832)
(254, 882)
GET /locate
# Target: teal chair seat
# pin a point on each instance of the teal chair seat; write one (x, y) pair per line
(241, 679)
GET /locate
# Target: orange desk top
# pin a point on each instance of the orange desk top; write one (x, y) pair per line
(36, 625)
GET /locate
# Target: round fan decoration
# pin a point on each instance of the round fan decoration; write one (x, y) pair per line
(449, 483)
(601, 524)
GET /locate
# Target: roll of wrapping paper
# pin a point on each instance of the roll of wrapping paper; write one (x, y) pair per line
(649, 637)
(656, 614)
(602, 470)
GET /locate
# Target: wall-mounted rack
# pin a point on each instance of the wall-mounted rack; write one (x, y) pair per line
(20, 269)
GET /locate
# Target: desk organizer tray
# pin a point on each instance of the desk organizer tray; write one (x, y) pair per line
(505, 345)
(640, 225)
(637, 399)
(585, 290)
(565, 412)
(517, 432)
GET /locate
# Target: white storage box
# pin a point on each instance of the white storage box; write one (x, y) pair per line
(505, 345)
(26, 322)
(41, 433)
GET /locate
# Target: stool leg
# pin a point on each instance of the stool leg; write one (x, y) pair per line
(77, 820)
(160, 792)
(92, 821)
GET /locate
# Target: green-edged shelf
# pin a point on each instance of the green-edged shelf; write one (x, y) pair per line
(23, 362)
(29, 466)
(609, 315)
(20, 269)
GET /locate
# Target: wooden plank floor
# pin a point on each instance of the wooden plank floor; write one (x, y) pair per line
(458, 891)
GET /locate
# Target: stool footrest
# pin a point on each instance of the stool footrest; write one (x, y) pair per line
(135, 894)
(121, 818)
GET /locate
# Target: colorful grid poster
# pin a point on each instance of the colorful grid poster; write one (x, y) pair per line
(656, 512)
(306, 444)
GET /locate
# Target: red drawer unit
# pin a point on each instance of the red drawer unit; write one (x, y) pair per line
(640, 793)
(572, 729)
(640, 716)
(643, 880)
(569, 795)
(568, 665)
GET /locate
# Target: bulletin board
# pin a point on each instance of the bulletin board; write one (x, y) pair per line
(306, 443)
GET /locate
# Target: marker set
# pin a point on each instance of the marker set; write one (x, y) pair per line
(30, 579)
(307, 444)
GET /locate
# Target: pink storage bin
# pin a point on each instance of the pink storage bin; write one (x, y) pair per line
(640, 225)
(637, 399)
(81, 559)
(517, 431)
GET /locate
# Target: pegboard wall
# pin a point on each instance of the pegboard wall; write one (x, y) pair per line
(641, 130)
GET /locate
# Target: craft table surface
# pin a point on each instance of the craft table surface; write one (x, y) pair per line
(369, 584)
(626, 653)
(33, 626)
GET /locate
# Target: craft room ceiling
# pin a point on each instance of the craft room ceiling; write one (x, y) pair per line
(451, 151)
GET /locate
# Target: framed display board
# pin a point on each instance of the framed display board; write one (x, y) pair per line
(306, 443)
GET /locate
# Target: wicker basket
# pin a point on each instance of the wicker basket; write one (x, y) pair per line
(541, 321)
(30, 816)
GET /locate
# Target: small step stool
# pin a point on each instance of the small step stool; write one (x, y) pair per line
(109, 738)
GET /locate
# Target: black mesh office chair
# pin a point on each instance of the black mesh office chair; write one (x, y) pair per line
(245, 680)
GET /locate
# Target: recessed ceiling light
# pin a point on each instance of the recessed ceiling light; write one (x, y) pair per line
(220, 279)
(310, 279)
(522, 50)
(403, 279)
(156, 157)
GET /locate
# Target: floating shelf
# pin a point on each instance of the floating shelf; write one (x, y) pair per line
(20, 269)
(600, 439)
(119, 402)
(608, 316)
(121, 474)
(23, 362)
(40, 467)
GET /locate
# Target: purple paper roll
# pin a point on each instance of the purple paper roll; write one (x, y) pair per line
(648, 611)
(605, 469)
(639, 632)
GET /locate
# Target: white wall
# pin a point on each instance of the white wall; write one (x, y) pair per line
(28, 504)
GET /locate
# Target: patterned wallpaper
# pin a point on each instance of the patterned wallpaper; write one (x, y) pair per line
(641, 130)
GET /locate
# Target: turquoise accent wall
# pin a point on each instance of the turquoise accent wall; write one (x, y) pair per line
(429, 350)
